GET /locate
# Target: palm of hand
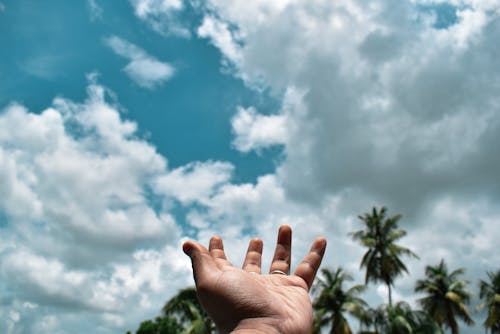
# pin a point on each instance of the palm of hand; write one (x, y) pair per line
(241, 298)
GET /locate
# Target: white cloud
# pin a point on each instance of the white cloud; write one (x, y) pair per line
(143, 68)
(47, 276)
(354, 102)
(143, 8)
(161, 15)
(381, 107)
(45, 165)
(81, 233)
(194, 182)
(470, 25)
(221, 37)
(255, 131)
(140, 282)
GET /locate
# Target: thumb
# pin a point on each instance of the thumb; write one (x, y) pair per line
(203, 264)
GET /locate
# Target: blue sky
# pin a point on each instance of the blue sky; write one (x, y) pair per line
(52, 46)
(127, 127)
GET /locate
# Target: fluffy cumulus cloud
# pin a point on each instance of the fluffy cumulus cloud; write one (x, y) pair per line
(254, 131)
(379, 101)
(82, 230)
(162, 16)
(144, 69)
(195, 182)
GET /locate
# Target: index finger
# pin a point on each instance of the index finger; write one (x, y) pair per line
(308, 268)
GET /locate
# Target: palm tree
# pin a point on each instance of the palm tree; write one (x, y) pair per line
(398, 319)
(161, 325)
(490, 293)
(446, 297)
(186, 308)
(383, 258)
(401, 319)
(370, 317)
(333, 301)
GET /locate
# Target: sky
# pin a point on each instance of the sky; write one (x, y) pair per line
(128, 127)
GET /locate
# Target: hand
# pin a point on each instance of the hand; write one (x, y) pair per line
(244, 300)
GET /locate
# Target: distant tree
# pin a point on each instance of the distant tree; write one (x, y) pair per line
(161, 325)
(186, 308)
(333, 301)
(369, 318)
(181, 314)
(489, 292)
(383, 258)
(401, 319)
(397, 319)
(446, 296)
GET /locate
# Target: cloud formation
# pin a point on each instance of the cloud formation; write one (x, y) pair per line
(254, 131)
(161, 16)
(85, 225)
(424, 111)
(383, 104)
(143, 68)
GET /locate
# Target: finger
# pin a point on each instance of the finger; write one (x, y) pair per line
(253, 259)
(216, 249)
(308, 268)
(204, 265)
(283, 251)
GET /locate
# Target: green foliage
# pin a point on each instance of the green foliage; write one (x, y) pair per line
(489, 292)
(401, 319)
(186, 308)
(382, 260)
(181, 314)
(446, 296)
(333, 301)
(161, 325)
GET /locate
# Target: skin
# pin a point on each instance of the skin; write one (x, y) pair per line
(247, 301)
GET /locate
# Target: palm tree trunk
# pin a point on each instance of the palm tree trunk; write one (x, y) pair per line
(390, 295)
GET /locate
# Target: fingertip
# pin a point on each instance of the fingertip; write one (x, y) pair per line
(215, 243)
(319, 246)
(321, 242)
(285, 235)
(257, 241)
(256, 244)
(285, 228)
(188, 248)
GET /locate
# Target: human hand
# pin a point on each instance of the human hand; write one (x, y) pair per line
(244, 300)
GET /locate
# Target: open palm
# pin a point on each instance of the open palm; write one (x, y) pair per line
(244, 300)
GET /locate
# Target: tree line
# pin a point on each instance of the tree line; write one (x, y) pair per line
(444, 305)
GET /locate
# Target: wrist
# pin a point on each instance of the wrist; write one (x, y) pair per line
(256, 326)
